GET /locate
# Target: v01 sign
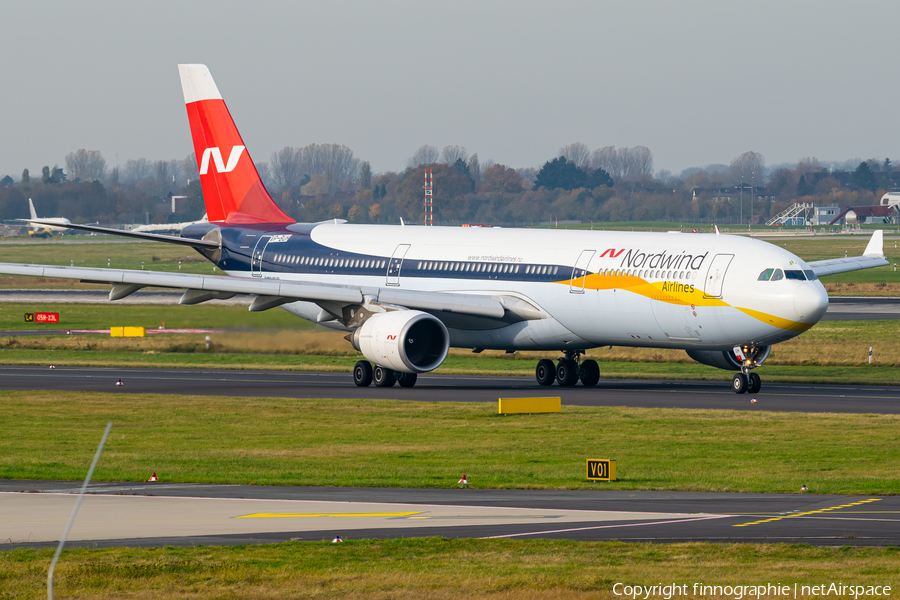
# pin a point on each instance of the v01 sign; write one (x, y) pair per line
(601, 469)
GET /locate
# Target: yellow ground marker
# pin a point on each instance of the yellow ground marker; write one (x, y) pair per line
(302, 515)
(812, 512)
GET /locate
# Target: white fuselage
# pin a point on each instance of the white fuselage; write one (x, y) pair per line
(691, 291)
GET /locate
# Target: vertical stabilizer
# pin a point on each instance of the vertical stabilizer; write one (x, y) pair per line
(31, 209)
(232, 189)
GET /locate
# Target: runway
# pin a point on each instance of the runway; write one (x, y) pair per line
(793, 397)
(34, 513)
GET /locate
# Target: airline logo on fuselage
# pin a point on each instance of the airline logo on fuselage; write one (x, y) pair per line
(216, 156)
(636, 259)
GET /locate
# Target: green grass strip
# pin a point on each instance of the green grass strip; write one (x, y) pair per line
(277, 441)
(438, 568)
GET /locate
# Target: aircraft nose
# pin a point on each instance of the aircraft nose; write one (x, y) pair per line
(810, 302)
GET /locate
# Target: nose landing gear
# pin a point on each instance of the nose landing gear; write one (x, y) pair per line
(747, 381)
(568, 371)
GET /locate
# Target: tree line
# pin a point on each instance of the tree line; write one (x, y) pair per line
(326, 181)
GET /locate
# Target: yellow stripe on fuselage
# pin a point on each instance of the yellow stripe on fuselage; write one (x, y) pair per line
(676, 293)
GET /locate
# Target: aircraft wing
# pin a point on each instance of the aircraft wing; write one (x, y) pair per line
(274, 292)
(873, 256)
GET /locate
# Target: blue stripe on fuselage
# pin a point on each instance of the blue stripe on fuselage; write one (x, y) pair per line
(299, 254)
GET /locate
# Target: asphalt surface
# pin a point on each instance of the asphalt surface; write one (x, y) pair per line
(456, 388)
(583, 514)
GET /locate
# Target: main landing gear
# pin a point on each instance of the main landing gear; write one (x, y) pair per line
(568, 370)
(364, 375)
(746, 382)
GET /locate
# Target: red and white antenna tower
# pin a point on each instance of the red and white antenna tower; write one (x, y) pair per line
(429, 197)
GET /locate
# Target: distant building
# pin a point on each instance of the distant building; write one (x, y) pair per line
(733, 194)
(823, 215)
(858, 215)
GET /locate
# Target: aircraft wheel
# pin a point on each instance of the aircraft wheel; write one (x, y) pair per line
(590, 373)
(567, 372)
(755, 383)
(384, 377)
(407, 379)
(362, 373)
(545, 372)
(739, 383)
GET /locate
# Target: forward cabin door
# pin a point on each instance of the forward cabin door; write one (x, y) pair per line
(579, 272)
(715, 277)
(256, 259)
(393, 270)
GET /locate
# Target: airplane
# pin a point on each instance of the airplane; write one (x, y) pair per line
(168, 227)
(50, 225)
(406, 294)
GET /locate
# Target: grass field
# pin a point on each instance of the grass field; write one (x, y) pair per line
(278, 441)
(435, 568)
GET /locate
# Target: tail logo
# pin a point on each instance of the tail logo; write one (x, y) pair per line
(216, 156)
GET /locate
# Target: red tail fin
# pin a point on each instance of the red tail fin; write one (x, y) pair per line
(232, 189)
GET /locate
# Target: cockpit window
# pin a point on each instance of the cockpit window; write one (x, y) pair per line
(810, 275)
(795, 275)
(766, 275)
(778, 275)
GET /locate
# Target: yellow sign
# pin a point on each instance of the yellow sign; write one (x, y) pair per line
(127, 332)
(601, 469)
(509, 406)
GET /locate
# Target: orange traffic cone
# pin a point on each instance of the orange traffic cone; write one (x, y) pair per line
(753, 401)
(52, 367)
(463, 481)
(119, 382)
(153, 477)
(803, 488)
(337, 539)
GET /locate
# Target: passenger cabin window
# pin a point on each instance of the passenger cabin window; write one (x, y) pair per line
(778, 275)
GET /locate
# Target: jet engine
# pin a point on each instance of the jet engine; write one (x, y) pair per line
(409, 341)
(728, 359)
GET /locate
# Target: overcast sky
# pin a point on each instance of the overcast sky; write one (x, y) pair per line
(696, 82)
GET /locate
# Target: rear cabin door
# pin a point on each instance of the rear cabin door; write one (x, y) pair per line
(394, 265)
(715, 277)
(256, 259)
(579, 271)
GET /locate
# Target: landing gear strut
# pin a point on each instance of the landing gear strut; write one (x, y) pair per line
(746, 380)
(364, 375)
(568, 370)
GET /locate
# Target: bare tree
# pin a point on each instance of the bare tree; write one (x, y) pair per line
(286, 170)
(576, 153)
(624, 164)
(607, 158)
(474, 168)
(638, 162)
(450, 154)
(162, 172)
(136, 170)
(425, 155)
(747, 166)
(189, 168)
(365, 176)
(265, 174)
(86, 165)
(334, 162)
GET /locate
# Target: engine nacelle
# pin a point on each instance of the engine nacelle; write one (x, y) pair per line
(409, 341)
(727, 360)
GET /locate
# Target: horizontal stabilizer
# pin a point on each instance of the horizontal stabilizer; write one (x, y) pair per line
(141, 235)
